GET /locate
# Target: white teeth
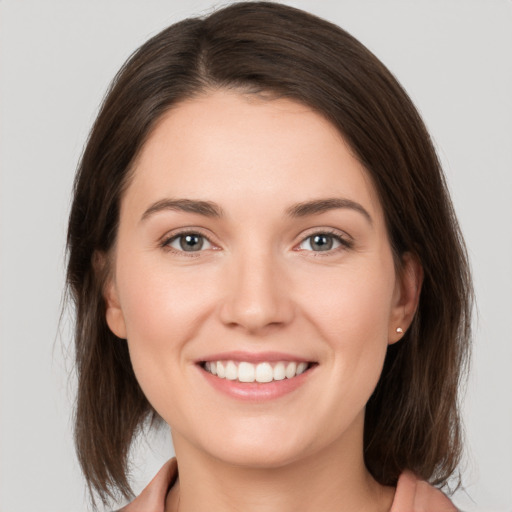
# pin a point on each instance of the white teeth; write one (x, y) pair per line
(290, 371)
(246, 372)
(279, 371)
(261, 372)
(301, 368)
(221, 372)
(231, 371)
(264, 373)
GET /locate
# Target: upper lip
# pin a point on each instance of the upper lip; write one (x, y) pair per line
(253, 357)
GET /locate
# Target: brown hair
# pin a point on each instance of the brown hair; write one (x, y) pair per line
(412, 419)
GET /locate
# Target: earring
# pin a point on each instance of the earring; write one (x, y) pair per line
(399, 330)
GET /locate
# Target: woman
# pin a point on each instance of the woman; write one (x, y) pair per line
(264, 256)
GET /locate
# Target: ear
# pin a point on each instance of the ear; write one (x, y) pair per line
(113, 313)
(406, 296)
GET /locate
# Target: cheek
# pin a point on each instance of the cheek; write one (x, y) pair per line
(159, 305)
(163, 312)
(352, 303)
(351, 311)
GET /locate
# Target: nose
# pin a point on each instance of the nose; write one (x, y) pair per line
(258, 295)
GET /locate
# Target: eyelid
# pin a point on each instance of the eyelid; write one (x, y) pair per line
(172, 235)
(345, 240)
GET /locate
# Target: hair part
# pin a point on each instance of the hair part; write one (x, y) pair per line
(276, 51)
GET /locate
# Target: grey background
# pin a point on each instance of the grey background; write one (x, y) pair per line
(56, 60)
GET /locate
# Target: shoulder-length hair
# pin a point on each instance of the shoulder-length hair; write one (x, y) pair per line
(412, 419)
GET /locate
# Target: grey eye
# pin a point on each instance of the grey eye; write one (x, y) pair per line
(320, 242)
(189, 242)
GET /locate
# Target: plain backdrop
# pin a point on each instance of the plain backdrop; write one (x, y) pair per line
(56, 60)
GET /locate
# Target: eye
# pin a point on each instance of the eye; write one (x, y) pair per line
(321, 242)
(188, 242)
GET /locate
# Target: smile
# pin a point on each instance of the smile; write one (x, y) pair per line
(263, 372)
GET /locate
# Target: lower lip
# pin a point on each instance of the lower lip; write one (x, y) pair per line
(256, 391)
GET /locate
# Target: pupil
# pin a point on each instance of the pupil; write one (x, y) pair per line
(191, 242)
(322, 242)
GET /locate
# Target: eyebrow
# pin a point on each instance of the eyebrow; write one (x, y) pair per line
(211, 209)
(205, 208)
(319, 206)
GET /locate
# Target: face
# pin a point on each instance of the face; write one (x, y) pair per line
(252, 244)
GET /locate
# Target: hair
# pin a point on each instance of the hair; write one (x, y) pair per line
(412, 419)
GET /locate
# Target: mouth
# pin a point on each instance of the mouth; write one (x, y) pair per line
(262, 372)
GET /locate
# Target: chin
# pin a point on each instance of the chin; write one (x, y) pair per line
(267, 457)
(257, 447)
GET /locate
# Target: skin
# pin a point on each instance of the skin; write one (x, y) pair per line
(258, 285)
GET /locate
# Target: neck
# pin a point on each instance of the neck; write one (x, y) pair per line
(333, 480)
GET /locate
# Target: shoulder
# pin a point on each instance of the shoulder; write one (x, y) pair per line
(152, 498)
(412, 494)
(415, 495)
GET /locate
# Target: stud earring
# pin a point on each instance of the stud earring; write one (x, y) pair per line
(399, 330)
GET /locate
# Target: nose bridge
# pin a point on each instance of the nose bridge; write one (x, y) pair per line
(256, 296)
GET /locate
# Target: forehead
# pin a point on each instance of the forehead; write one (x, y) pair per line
(243, 150)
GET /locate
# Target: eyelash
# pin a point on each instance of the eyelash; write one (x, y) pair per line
(336, 235)
(175, 236)
(344, 242)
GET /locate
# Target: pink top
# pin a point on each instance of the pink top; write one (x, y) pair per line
(412, 494)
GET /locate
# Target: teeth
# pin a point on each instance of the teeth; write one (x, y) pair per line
(279, 371)
(246, 372)
(264, 373)
(231, 371)
(221, 372)
(261, 372)
(291, 370)
(301, 368)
